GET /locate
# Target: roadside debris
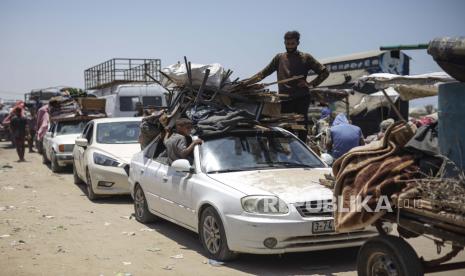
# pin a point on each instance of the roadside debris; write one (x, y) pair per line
(156, 249)
(126, 263)
(48, 217)
(214, 262)
(179, 256)
(127, 217)
(128, 233)
(4, 236)
(168, 267)
(6, 208)
(146, 230)
(107, 224)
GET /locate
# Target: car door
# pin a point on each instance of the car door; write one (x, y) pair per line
(82, 151)
(77, 156)
(47, 141)
(148, 176)
(178, 192)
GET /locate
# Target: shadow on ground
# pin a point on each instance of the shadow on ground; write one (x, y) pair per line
(327, 262)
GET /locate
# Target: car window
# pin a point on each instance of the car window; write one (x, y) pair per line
(150, 149)
(84, 131)
(128, 103)
(89, 134)
(73, 127)
(118, 132)
(256, 151)
(152, 100)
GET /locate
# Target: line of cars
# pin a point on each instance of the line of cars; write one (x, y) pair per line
(246, 191)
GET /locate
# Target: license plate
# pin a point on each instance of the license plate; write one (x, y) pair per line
(322, 226)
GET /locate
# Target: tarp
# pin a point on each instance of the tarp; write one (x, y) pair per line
(408, 87)
(178, 73)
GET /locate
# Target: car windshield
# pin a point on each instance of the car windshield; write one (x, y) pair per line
(64, 128)
(118, 132)
(255, 151)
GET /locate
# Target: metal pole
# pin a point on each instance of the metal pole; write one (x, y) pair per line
(393, 106)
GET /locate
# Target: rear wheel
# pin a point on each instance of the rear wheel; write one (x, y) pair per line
(90, 191)
(140, 206)
(388, 255)
(213, 236)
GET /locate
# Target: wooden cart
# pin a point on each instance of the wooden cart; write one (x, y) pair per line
(392, 255)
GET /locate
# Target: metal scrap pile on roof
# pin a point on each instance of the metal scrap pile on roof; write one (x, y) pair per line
(200, 91)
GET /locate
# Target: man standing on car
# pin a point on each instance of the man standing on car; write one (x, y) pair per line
(18, 126)
(293, 63)
(178, 145)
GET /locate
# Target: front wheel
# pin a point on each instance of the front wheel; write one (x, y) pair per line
(54, 163)
(44, 157)
(76, 178)
(90, 190)
(388, 255)
(213, 236)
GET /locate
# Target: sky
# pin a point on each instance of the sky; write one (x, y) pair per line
(50, 43)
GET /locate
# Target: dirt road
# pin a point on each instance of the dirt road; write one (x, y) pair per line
(49, 227)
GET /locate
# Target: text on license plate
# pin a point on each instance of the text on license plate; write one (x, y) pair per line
(323, 226)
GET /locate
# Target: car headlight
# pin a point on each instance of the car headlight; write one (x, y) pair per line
(264, 205)
(104, 160)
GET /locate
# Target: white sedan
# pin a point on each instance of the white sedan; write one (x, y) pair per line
(102, 152)
(251, 191)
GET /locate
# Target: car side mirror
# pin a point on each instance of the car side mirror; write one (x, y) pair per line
(81, 142)
(182, 165)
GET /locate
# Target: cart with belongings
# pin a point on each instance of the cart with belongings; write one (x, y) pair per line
(423, 191)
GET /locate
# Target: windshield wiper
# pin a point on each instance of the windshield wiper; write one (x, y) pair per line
(292, 164)
(226, 170)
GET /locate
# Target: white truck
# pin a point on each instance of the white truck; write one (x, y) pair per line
(122, 99)
(125, 82)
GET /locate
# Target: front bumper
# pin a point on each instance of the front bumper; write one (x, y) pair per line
(247, 234)
(107, 174)
(64, 159)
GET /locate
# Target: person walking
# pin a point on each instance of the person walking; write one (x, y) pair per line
(18, 126)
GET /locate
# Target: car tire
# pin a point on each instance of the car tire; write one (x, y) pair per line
(141, 209)
(213, 237)
(388, 255)
(44, 158)
(76, 178)
(90, 191)
(54, 163)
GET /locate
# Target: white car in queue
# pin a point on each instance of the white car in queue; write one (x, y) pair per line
(58, 143)
(102, 154)
(247, 191)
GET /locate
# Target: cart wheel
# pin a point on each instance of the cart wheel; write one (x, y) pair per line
(388, 255)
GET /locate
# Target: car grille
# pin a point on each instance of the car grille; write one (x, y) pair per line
(315, 208)
(69, 148)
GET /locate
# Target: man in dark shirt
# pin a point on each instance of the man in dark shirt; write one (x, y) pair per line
(293, 63)
(18, 126)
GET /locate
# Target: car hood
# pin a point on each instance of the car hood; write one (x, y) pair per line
(123, 152)
(291, 185)
(65, 139)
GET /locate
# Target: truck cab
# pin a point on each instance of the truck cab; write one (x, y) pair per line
(122, 99)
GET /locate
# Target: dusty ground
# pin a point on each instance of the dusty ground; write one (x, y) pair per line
(49, 227)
